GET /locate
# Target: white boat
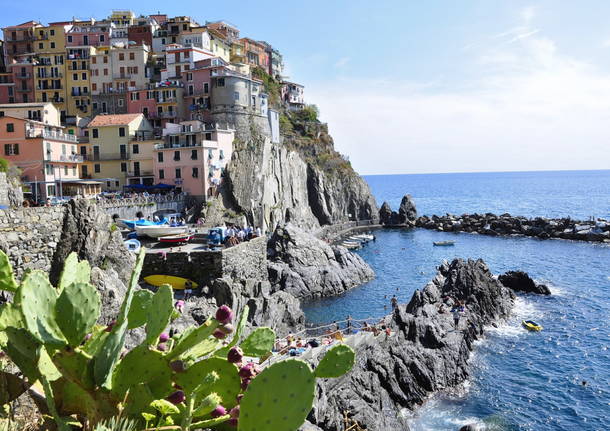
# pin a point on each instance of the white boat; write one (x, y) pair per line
(132, 245)
(160, 230)
(364, 237)
(351, 244)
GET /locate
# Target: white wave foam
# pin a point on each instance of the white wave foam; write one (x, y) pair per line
(555, 290)
(511, 328)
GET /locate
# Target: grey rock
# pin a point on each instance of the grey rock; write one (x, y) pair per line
(406, 215)
(425, 354)
(407, 210)
(307, 267)
(520, 281)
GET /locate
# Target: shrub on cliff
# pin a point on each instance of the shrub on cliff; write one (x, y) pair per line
(194, 380)
(3, 165)
(272, 86)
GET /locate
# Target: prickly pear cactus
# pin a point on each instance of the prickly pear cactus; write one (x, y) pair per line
(74, 272)
(279, 398)
(141, 365)
(7, 279)
(337, 361)
(76, 311)
(138, 312)
(259, 343)
(159, 313)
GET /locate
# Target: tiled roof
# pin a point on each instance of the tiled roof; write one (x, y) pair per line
(113, 120)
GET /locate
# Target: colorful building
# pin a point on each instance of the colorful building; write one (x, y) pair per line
(293, 95)
(44, 112)
(193, 156)
(110, 138)
(232, 92)
(45, 154)
(255, 52)
(179, 59)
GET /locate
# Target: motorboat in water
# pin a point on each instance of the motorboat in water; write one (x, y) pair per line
(158, 231)
(444, 243)
(530, 325)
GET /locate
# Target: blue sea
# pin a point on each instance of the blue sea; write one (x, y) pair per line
(520, 380)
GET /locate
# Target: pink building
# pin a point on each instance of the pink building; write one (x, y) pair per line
(161, 103)
(193, 157)
(22, 75)
(198, 85)
(179, 59)
(47, 156)
(88, 33)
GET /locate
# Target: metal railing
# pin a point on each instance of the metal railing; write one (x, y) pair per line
(181, 144)
(59, 136)
(68, 158)
(106, 157)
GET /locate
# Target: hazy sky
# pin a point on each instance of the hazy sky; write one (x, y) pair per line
(428, 86)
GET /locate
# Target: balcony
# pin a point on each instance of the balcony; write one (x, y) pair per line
(181, 144)
(47, 88)
(46, 134)
(170, 114)
(143, 136)
(65, 158)
(21, 38)
(106, 157)
(50, 76)
(140, 173)
(23, 76)
(124, 76)
(77, 67)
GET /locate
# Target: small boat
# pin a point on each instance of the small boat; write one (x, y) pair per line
(158, 231)
(131, 224)
(530, 325)
(132, 245)
(177, 283)
(351, 244)
(177, 239)
(443, 243)
(364, 237)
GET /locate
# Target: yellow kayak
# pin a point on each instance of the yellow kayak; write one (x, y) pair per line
(530, 325)
(177, 283)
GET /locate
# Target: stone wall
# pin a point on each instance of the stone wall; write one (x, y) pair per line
(11, 194)
(245, 261)
(30, 235)
(127, 208)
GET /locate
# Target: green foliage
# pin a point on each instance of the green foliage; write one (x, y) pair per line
(51, 335)
(272, 86)
(4, 166)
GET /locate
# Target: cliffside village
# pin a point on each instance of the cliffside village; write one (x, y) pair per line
(130, 103)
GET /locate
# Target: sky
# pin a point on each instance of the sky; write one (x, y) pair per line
(412, 86)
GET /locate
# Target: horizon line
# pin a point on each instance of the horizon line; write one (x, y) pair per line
(486, 172)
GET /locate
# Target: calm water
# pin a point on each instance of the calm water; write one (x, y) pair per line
(521, 380)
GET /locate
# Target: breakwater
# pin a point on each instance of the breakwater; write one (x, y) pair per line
(505, 224)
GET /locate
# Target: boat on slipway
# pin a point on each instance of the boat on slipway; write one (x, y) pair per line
(177, 283)
(181, 238)
(158, 231)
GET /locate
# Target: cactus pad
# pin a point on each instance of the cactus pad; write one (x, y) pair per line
(159, 313)
(7, 279)
(138, 311)
(337, 361)
(24, 351)
(279, 398)
(243, 319)
(77, 310)
(193, 338)
(141, 365)
(37, 299)
(74, 272)
(74, 366)
(259, 342)
(227, 386)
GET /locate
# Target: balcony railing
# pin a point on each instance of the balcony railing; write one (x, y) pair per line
(21, 38)
(106, 156)
(58, 136)
(123, 75)
(67, 158)
(169, 114)
(181, 144)
(143, 136)
(140, 173)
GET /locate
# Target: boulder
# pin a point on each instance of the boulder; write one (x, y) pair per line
(407, 210)
(520, 281)
(385, 214)
(424, 354)
(307, 267)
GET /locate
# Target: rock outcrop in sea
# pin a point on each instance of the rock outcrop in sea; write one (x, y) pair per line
(307, 267)
(424, 354)
(505, 224)
(406, 215)
(520, 281)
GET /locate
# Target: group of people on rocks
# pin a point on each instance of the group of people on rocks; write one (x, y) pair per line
(236, 235)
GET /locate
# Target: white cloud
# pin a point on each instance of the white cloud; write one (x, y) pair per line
(527, 107)
(342, 62)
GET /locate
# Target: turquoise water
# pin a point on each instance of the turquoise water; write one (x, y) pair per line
(521, 380)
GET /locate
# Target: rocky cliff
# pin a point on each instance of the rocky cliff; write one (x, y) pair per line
(424, 354)
(303, 180)
(306, 267)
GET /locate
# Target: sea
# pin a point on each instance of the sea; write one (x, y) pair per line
(556, 379)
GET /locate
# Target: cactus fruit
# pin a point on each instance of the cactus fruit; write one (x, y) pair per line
(218, 412)
(76, 311)
(7, 279)
(247, 371)
(235, 355)
(337, 361)
(176, 397)
(224, 314)
(259, 342)
(164, 337)
(219, 334)
(159, 313)
(279, 398)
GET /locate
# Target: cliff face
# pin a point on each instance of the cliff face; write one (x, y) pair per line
(303, 180)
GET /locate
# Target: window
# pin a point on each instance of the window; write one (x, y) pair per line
(52, 32)
(220, 82)
(65, 170)
(52, 45)
(122, 131)
(161, 174)
(102, 38)
(178, 173)
(41, 45)
(49, 169)
(208, 136)
(135, 149)
(195, 173)
(236, 96)
(120, 103)
(121, 56)
(176, 156)
(123, 167)
(105, 59)
(93, 60)
(160, 157)
(206, 87)
(11, 149)
(84, 76)
(189, 76)
(69, 38)
(84, 170)
(97, 168)
(108, 183)
(193, 154)
(116, 183)
(10, 127)
(94, 88)
(105, 72)
(132, 56)
(75, 76)
(95, 133)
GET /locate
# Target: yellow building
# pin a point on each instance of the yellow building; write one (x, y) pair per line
(110, 143)
(50, 66)
(78, 80)
(219, 45)
(140, 168)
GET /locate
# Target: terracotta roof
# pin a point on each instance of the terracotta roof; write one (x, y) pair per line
(113, 120)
